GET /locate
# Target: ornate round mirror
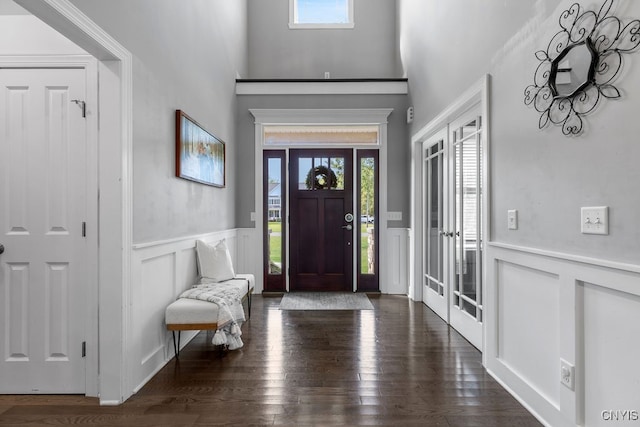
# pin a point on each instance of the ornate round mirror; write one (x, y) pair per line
(579, 66)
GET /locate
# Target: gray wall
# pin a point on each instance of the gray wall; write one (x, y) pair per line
(398, 178)
(543, 174)
(186, 56)
(367, 51)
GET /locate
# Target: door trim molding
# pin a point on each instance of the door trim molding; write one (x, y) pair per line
(115, 183)
(373, 116)
(478, 93)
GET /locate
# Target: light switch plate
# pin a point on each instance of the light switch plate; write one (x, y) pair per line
(512, 219)
(394, 216)
(594, 220)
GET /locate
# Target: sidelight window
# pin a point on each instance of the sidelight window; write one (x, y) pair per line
(275, 228)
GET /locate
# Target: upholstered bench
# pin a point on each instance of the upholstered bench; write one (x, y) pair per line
(197, 308)
(185, 314)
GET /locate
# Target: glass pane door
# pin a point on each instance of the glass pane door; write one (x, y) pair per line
(435, 293)
(466, 295)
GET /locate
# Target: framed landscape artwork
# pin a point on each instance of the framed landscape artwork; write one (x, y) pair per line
(200, 156)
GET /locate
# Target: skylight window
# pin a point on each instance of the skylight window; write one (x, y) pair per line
(321, 14)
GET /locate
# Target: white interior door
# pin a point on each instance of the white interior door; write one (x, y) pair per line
(466, 225)
(435, 292)
(42, 211)
(453, 224)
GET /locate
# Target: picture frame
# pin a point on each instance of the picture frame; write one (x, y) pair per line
(200, 155)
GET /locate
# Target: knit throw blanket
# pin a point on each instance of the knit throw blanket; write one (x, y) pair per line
(230, 312)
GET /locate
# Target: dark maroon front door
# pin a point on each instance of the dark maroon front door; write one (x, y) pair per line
(321, 220)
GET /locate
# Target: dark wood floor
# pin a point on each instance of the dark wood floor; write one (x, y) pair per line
(397, 365)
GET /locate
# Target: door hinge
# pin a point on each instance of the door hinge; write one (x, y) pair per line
(84, 229)
(84, 349)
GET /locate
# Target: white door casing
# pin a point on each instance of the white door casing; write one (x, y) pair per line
(43, 270)
(458, 302)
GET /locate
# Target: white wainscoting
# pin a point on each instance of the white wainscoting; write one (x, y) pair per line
(161, 271)
(542, 307)
(395, 261)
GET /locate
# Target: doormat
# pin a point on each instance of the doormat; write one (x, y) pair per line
(325, 301)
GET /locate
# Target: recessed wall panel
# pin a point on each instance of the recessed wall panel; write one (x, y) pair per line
(158, 276)
(16, 312)
(611, 354)
(57, 132)
(528, 326)
(57, 312)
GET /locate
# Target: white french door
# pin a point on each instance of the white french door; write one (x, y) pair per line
(435, 292)
(453, 228)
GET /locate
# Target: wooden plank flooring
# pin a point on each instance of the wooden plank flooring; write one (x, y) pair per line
(397, 365)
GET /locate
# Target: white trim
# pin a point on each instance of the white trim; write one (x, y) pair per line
(115, 171)
(378, 116)
(371, 116)
(294, 25)
(193, 237)
(631, 268)
(329, 87)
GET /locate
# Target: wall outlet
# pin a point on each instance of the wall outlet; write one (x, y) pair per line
(253, 217)
(512, 219)
(567, 374)
(594, 220)
(327, 75)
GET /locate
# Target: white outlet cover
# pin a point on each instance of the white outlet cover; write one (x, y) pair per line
(567, 374)
(594, 220)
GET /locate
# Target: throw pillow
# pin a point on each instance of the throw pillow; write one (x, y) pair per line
(214, 261)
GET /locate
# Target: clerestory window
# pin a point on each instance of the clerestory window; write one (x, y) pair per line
(314, 14)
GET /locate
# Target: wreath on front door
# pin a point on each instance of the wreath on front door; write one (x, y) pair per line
(321, 178)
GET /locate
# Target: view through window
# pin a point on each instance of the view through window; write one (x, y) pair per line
(317, 13)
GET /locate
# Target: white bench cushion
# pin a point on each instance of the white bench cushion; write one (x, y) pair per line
(186, 311)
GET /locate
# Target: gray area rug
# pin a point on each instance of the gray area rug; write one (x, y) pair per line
(325, 301)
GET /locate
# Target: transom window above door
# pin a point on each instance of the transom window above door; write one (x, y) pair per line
(314, 14)
(309, 135)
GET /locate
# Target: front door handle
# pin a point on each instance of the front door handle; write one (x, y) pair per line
(348, 227)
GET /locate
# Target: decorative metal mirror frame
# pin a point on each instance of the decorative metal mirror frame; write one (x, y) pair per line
(606, 38)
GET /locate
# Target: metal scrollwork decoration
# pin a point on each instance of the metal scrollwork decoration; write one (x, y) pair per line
(579, 66)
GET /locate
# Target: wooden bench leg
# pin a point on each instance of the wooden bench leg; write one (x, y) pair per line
(176, 348)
